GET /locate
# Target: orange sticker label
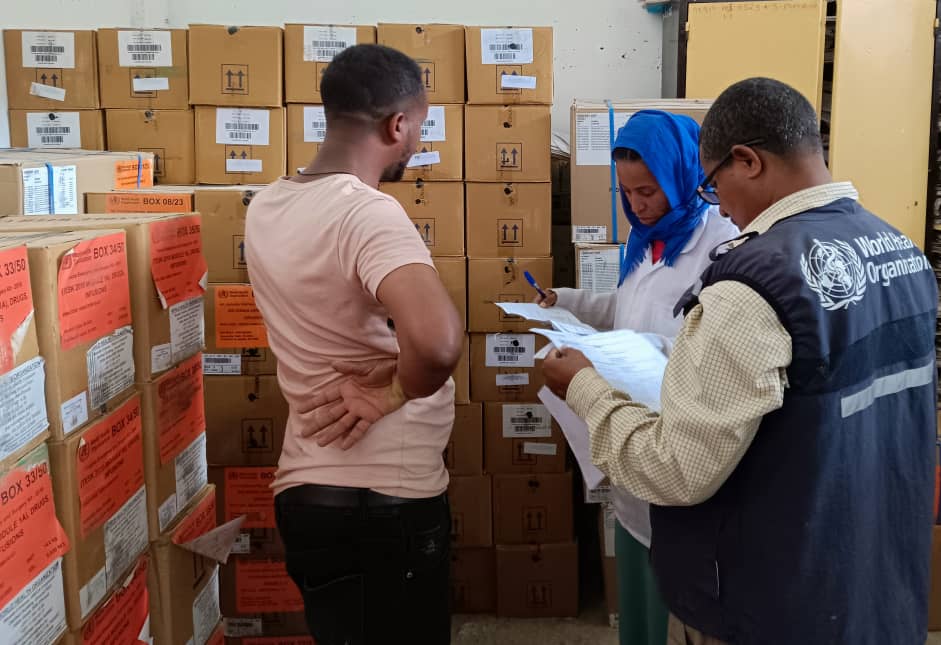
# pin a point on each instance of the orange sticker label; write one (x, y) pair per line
(264, 587)
(110, 465)
(94, 295)
(30, 534)
(149, 203)
(176, 259)
(124, 617)
(248, 492)
(238, 322)
(16, 302)
(279, 640)
(181, 413)
(130, 174)
(218, 637)
(198, 521)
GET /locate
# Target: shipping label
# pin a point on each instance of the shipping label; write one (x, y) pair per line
(161, 358)
(149, 203)
(53, 130)
(315, 124)
(593, 137)
(152, 84)
(138, 173)
(110, 365)
(22, 406)
(263, 587)
(525, 421)
(192, 471)
(230, 364)
(49, 49)
(176, 259)
(592, 234)
(512, 380)
(126, 616)
(433, 128)
(145, 49)
(242, 627)
(501, 46)
(181, 415)
(37, 614)
(167, 512)
(238, 322)
(125, 537)
(599, 270)
(322, 43)
(206, 613)
(74, 412)
(187, 328)
(511, 350)
(16, 305)
(56, 182)
(248, 492)
(93, 592)
(242, 126)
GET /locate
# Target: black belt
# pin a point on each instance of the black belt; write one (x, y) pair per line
(345, 497)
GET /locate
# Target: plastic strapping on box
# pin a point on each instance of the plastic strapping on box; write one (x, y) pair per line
(140, 169)
(51, 187)
(622, 248)
(614, 174)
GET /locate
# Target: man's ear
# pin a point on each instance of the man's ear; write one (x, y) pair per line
(751, 162)
(393, 128)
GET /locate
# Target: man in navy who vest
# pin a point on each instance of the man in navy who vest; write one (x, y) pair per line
(791, 466)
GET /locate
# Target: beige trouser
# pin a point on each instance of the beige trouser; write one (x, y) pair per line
(680, 634)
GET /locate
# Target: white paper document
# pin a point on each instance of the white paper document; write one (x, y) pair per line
(560, 319)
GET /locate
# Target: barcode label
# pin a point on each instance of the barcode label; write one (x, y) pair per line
(315, 124)
(434, 127)
(322, 43)
(49, 49)
(228, 364)
(254, 127)
(53, 130)
(512, 380)
(531, 420)
(516, 350)
(145, 49)
(52, 140)
(506, 46)
(589, 233)
(242, 126)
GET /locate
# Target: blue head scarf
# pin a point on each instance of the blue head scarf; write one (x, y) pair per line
(669, 145)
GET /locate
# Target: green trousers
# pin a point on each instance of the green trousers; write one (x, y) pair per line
(643, 616)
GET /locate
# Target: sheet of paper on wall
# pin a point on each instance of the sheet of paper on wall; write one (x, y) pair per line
(560, 319)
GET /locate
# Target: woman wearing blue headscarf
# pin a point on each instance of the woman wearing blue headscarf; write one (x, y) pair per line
(672, 232)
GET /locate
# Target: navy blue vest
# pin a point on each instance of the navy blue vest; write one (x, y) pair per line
(822, 532)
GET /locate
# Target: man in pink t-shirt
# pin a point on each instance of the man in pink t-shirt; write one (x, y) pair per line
(364, 332)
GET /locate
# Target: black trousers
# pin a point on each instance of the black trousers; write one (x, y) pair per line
(371, 569)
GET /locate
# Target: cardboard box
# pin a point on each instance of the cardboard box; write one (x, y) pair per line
(167, 272)
(439, 155)
(39, 129)
(462, 375)
(308, 49)
(509, 220)
(591, 162)
(473, 581)
(22, 373)
(502, 280)
(507, 143)
(239, 145)
(125, 616)
(223, 211)
(143, 69)
(24, 176)
(537, 581)
(247, 491)
(522, 438)
(501, 374)
(607, 522)
(306, 130)
(98, 478)
(438, 50)
(174, 443)
(465, 452)
(437, 210)
(529, 509)
(169, 134)
(85, 334)
(259, 599)
(236, 66)
(236, 337)
(471, 517)
(453, 274)
(184, 576)
(509, 65)
(598, 267)
(51, 70)
(246, 417)
(32, 609)
(166, 199)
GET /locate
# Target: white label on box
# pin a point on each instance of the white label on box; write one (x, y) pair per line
(243, 165)
(154, 84)
(242, 627)
(530, 420)
(511, 350)
(424, 159)
(512, 380)
(110, 364)
(229, 364)
(206, 613)
(609, 522)
(434, 128)
(191, 471)
(533, 448)
(47, 91)
(145, 49)
(145, 635)
(600, 495)
(599, 269)
(93, 592)
(49, 49)
(187, 328)
(322, 43)
(593, 137)
(65, 190)
(37, 613)
(75, 412)
(161, 358)
(53, 130)
(506, 46)
(242, 126)
(589, 233)
(167, 512)
(315, 124)
(243, 544)
(517, 82)
(126, 537)
(36, 190)
(22, 405)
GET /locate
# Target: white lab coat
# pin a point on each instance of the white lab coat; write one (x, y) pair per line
(645, 303)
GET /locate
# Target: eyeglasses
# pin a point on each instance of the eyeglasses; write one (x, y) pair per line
(706, 190)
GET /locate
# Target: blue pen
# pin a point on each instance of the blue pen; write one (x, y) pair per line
(531, 280)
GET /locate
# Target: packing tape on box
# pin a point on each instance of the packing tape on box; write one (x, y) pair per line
(614, 172)
(140, 169)
(51, 187)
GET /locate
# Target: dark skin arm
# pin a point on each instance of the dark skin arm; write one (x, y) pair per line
(560, 367)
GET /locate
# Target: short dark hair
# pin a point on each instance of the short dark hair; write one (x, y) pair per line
(369, 80)
(627, 154)
(760, 108)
